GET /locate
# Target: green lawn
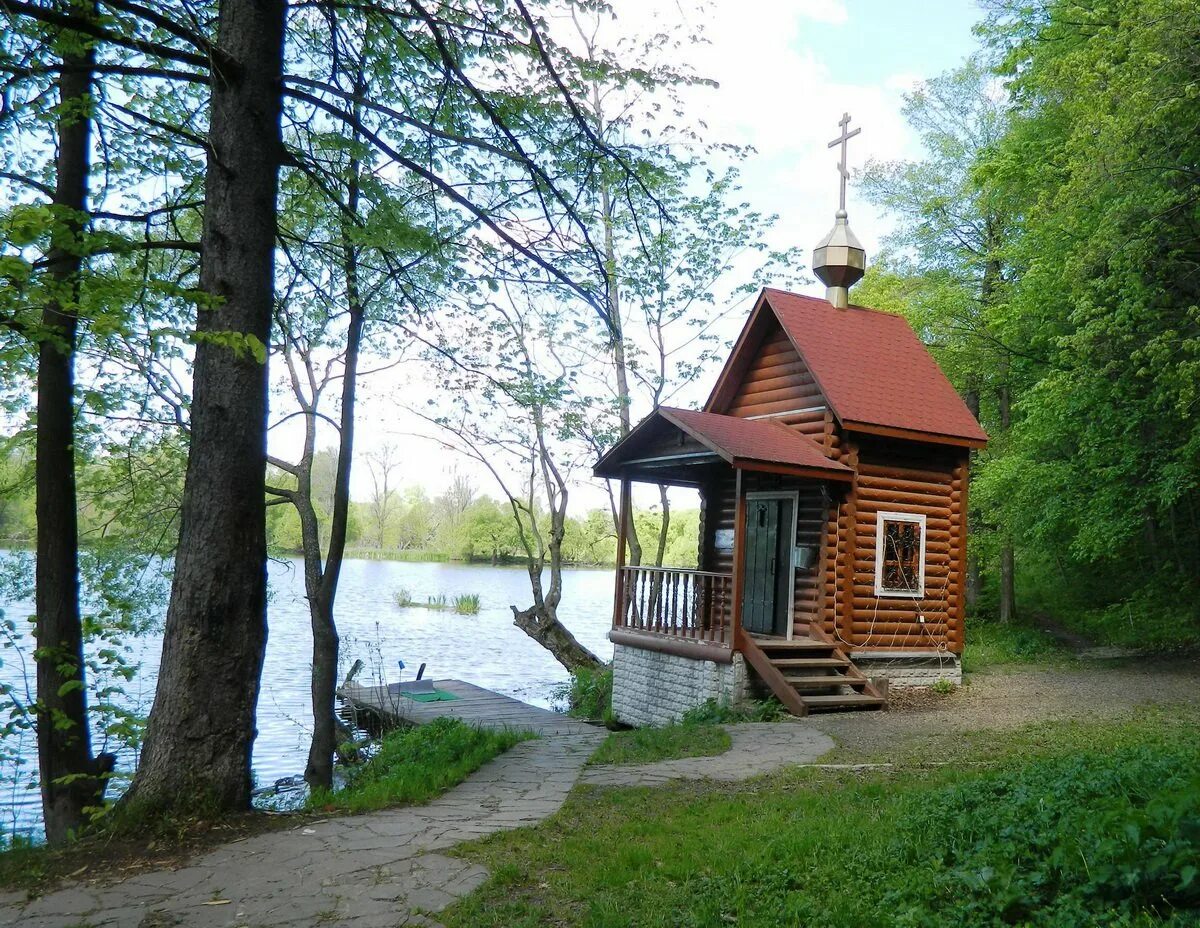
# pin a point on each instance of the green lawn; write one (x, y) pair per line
(414, 765)
(1056, 825)
(647, 745)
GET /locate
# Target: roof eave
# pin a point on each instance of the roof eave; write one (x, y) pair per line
(843, 475)
(937, 438)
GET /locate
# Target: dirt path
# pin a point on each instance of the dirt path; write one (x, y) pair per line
(1005, 700)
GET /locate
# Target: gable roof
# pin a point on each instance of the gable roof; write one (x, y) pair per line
(749, 444)
(873, 370)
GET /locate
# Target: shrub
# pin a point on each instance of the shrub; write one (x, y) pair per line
(588, 694)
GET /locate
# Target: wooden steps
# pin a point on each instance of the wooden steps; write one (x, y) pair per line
(812, 674)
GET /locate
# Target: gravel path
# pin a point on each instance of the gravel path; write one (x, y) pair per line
(1006, 700)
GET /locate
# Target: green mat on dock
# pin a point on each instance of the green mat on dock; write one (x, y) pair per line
(435, 696)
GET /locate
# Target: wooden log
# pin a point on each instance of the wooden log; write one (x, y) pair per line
(769, 408)
(910, 485)
(899, 472)
(793, 370)
(941, 500)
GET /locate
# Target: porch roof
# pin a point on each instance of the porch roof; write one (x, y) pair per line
(669, 444)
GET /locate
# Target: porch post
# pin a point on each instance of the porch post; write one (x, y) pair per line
(622, 531)
(739, 572)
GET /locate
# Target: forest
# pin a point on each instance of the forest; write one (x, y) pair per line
(222, 220)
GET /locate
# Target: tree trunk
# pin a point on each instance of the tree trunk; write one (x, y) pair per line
(661, 551)
(1008, 583)
(542, 625)
(201, 730)
(63, 733)
(974, 574)
(612, 300)
(319, 769)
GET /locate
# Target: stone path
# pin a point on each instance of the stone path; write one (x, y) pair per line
(383, 870)
(370, 871)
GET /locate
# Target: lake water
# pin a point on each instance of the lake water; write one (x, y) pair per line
(485, 649)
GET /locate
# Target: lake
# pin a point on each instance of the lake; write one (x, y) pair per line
(485, 649)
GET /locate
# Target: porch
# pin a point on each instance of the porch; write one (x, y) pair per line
(739, 605)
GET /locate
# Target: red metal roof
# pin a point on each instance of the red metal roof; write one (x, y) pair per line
(872, 368)
(752, 440)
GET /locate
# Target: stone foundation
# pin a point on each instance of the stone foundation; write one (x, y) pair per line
(904, 669)
(650, 688)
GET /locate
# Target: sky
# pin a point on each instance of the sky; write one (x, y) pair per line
(786, 70)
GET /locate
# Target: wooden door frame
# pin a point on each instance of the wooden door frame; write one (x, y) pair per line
(794, 496)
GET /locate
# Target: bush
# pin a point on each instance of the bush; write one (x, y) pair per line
(588, 694)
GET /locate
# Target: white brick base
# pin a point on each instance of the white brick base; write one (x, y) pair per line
(909, 669)
(650, 688)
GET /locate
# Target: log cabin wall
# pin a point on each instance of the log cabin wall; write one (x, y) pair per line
(778, 385)
(905, 477)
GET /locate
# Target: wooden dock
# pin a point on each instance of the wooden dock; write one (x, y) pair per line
(474, 705)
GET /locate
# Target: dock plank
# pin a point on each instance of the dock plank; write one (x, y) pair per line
(475, 705)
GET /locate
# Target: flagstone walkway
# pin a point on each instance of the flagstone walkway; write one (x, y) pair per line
(384, 869)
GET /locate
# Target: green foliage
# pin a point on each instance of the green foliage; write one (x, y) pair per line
(714, 712)
(1062, 825)
(414, 765)
(649, 745)
(588, 694)
(995, 644)
(1046, 250)
(467, 604)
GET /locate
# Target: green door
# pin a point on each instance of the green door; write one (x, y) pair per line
(768, 566)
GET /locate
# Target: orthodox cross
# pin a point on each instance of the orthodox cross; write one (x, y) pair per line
(844, 122)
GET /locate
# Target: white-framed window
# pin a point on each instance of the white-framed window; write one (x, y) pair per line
(900, 554)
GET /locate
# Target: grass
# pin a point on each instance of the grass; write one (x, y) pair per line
(648, 745)
(712, 712)
(1055, 825)
(588, 694)
(992, 644)
(465, 604)
(414, 765)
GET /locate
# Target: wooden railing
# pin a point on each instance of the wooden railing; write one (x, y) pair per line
(692, 604)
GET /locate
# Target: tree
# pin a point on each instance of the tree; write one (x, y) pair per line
(69, 774)
(462, 101)
(382, 464)
(947, 253)
(200, 735)
(666, 282)
(1099, 476)
(514, 405)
